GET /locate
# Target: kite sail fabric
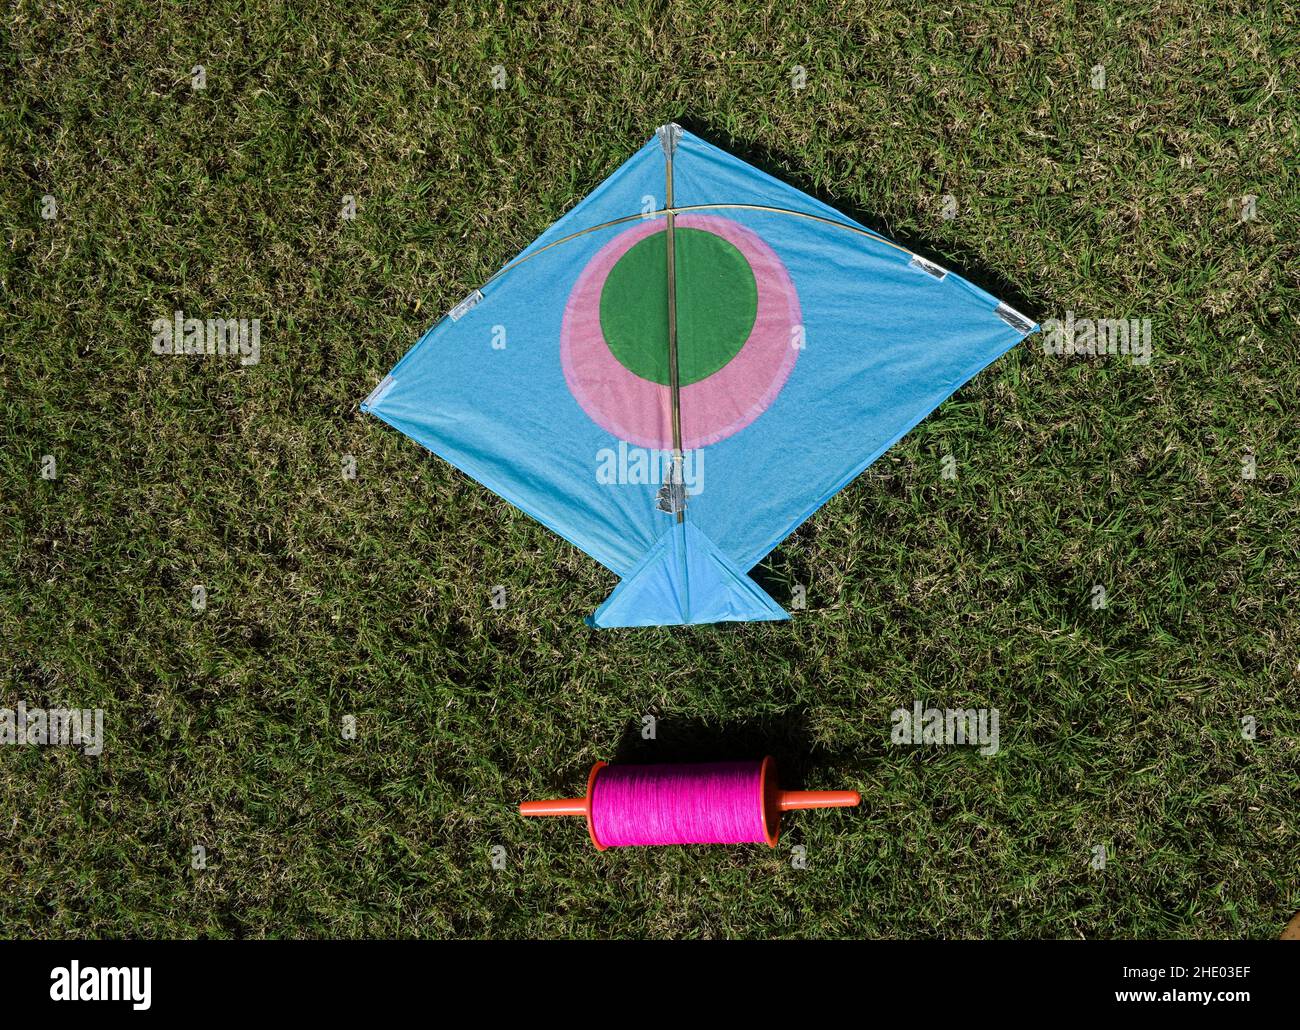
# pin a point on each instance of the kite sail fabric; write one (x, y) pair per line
(686, 366)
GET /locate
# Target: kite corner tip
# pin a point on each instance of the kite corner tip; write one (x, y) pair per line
(377, 394)
(669, 134)
(1022, 324)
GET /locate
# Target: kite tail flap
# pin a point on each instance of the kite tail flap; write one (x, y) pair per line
(685, 580)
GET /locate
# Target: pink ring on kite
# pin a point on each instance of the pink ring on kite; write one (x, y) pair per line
(640, 411)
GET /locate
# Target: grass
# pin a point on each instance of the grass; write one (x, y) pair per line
(330, 597)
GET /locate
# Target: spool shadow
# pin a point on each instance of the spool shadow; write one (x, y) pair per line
(784, 736)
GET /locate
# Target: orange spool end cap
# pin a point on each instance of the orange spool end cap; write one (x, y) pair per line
(591, 790)
(769, 787)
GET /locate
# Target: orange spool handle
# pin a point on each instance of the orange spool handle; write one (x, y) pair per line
(570, 806)
(558, 806)
(793, 800)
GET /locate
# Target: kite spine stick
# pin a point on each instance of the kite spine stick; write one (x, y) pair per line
(669, 139)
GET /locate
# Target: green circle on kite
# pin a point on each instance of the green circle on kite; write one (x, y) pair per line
(717, 302)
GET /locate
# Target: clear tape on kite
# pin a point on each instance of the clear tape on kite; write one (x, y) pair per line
(1014, 318)
(929, 267)
(462, 309)
(377, 394)
(672, 495)
(672, 498)
(668, 136)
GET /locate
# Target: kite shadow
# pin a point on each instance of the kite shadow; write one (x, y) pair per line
(963, 260)
(786, 570)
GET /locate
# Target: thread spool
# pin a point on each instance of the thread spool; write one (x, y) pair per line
(705, 803)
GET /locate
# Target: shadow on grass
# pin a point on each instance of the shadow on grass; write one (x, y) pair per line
(784, 736)
(961, 259)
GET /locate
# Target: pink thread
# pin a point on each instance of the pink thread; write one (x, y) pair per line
(714, 803)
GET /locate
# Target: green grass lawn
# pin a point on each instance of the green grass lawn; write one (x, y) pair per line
(328, 597)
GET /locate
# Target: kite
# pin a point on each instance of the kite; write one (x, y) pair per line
(685, 367)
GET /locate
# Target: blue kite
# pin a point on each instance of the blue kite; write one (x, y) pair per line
(685, 367)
